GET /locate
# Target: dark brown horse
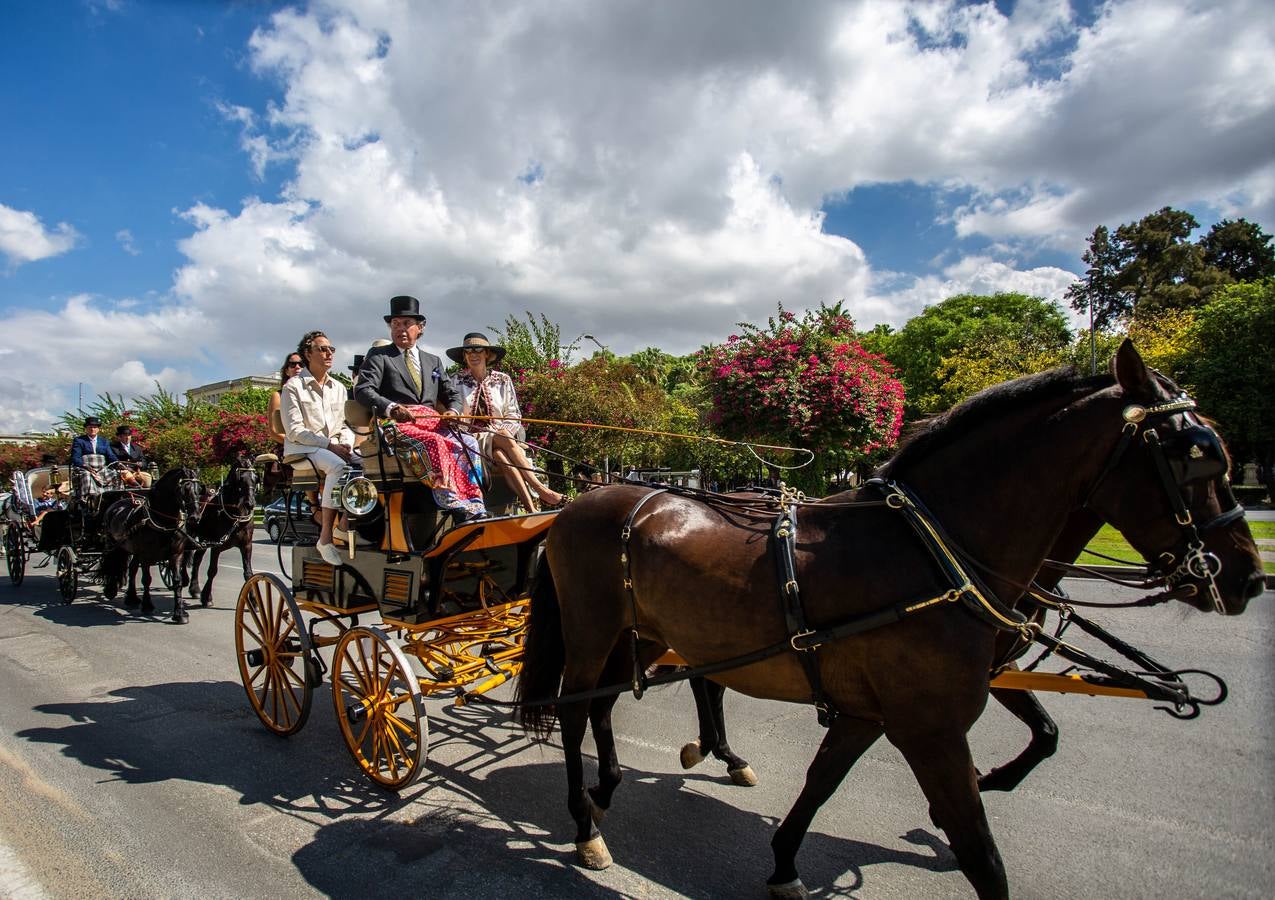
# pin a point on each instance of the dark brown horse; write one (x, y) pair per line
(999, 475)
(140, 532)
(225, 521)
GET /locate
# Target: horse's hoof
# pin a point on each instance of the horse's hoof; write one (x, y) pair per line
(180, 618)
(205, 602)
(791, 890)
(691, 755)
(744, 777)
(593, 853)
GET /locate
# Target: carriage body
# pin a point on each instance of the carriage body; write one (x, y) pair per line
(452, 602)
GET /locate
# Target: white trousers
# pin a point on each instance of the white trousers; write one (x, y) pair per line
(332, 467)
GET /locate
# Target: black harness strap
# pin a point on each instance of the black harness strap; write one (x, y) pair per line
(626, 562)
(783, 542)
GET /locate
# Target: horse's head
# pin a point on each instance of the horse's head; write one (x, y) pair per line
(190, 492)
(239, 489)
(1165, 488)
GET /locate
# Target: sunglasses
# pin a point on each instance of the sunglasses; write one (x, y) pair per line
(475, 349)
(326, 348)
(292, 364)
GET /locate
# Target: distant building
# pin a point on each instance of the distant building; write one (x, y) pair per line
(212, 393)
(28, 438)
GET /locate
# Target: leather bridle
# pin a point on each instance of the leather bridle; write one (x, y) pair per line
(1202, 460)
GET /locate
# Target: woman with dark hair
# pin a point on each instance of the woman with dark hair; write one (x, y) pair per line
(312, 407)
(489, 394)
(291, 366)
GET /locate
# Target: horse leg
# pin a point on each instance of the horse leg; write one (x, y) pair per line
(196, 557)
(130, 596)
(591, 849)
(245, 551)
(180, 616)
(847, 739)
(147, 606)
(618, 669)
(205, 598)
(1028, 710)
(944, 768)
(712, 734)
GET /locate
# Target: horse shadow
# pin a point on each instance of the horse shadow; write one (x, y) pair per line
(665, 828)
(487, 795)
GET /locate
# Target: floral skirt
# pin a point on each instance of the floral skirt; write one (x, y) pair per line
(455, 462)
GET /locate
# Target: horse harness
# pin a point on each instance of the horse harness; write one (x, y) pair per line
(805, 641)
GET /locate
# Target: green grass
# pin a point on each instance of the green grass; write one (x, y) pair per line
(1110, 542)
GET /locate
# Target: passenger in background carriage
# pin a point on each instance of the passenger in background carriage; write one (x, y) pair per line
(313, 411)
(274, 414)
(91, 443)
(488, 392)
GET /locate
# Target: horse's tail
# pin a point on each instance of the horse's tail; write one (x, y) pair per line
(543, 657)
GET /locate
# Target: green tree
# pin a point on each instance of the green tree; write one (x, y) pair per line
(1024, 331)
(1233, 372)
(1239, 248)
(529, 346)
(1100, 289)
(1163, 269)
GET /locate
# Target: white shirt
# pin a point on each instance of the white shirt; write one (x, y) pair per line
(313, 414)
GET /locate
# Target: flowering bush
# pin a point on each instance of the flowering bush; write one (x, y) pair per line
(805, 382)
(237, 432)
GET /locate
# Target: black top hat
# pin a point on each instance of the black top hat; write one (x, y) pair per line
(404, 305)
(92, 420)
(476, 340)
(358, 363)
(124, 429)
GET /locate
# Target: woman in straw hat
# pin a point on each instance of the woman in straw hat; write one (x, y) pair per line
(488, 392)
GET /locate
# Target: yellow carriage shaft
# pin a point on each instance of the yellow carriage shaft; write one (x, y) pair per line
(1014, 680)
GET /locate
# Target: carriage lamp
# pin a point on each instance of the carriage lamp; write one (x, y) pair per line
(55, 477)
(358, 496)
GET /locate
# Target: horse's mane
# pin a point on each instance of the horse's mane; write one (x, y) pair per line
(988, 405)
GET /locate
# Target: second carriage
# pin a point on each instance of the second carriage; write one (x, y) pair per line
(420, 607)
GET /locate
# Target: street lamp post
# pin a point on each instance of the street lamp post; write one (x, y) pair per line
(585, 336)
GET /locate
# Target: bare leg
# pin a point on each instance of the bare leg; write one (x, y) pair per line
(518, 457)
(513, 478)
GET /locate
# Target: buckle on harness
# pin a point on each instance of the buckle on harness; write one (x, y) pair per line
(792, 642)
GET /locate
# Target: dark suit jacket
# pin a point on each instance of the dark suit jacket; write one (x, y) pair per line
(383, 379)
(132, 454)
(81, 446)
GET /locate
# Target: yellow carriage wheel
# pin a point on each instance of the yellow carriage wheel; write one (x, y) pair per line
(378, 705)
(273, 649)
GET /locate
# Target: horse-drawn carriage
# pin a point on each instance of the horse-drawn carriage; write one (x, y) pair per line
(452, 597)
(68, 529)
(886, 615)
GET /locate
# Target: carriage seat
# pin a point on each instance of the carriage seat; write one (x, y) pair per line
(38, 480)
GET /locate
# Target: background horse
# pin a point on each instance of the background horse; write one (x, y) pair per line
(225, 521)
(999, 475)
(139, 532)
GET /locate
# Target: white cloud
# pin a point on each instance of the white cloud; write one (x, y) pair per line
(652, 173)
(23, 237)
(125, 239)
(970, 275)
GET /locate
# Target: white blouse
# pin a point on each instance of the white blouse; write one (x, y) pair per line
(502, 401)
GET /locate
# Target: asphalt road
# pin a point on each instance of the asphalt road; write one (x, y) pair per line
(132, 766)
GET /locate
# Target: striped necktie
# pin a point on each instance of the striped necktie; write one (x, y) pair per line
(414, 369)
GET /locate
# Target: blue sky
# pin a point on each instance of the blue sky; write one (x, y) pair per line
(188, 186)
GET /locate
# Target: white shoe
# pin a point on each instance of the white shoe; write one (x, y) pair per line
(331, 555)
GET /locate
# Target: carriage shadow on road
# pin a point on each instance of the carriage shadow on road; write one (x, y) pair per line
(477, 800)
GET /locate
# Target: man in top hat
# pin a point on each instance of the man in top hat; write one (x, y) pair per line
(401, 374)
(126, 451)
(90, 443)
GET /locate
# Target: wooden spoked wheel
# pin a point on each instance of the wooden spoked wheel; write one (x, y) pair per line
(273, 649)
(15, 554)
(68, 578)
(379, 708)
